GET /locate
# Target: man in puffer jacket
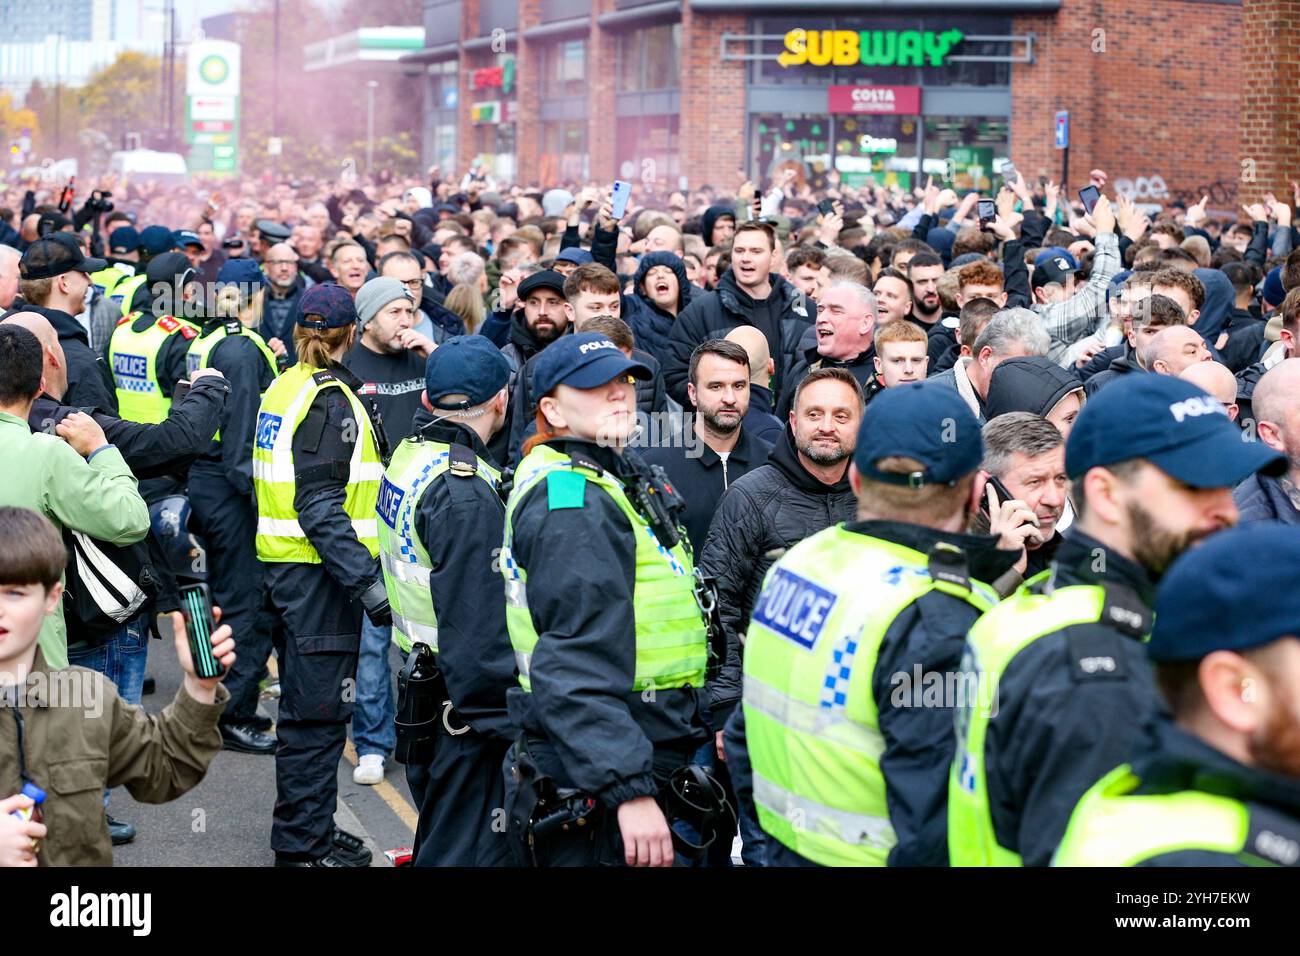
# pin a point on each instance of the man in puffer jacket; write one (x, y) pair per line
(660, 291)
(803, 488)
(749, 293)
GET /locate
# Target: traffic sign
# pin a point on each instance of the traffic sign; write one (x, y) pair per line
(1063, 129)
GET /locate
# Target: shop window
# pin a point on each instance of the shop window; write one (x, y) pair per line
(648, 58)
(564, 151)
(964, 151)
(564, 68)
(648, 151)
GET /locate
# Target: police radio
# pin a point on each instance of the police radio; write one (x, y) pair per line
(658, 502)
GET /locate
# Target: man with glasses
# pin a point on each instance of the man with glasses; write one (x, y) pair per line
(431, 319)
(285, 286)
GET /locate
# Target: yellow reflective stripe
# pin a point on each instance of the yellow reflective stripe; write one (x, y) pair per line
(816, 721)
(415, 632)
(804, 814)
(290, 528)
(516, 594)
(523, 661)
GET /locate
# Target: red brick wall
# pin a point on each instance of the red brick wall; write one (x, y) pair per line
(602, 81)
(1270, 101)
(466, 144)
(528, 98)
(1163, 99)
(712, 130)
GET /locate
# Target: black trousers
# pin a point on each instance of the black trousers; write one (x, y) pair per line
(460, 795)
(227, 521)
(317, 688)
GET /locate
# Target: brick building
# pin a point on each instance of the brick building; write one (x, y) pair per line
(693, 91)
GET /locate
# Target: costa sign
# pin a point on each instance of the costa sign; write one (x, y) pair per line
(868, 47)
(874, 99)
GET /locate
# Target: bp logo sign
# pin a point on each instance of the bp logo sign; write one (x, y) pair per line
(214, 69)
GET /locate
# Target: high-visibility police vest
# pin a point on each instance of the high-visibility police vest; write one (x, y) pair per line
(280, 537)
(133, 357)
(110, 278)
(671, 645)
(1112, 826)
(126, 289)
(811, 720)
(991, 645)
(202, 346)
(415, 466)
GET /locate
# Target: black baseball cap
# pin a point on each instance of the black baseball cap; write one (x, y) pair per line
(1052, 269)
(183, 238)
(1234, 591)
(468, 365)
(584, 360)
(546, 279)
(330, 303)
(1172, 424)
(273, 231)
(123, 239)
(923, 421)
(54, 255)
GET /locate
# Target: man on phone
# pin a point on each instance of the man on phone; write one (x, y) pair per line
(1024, 459)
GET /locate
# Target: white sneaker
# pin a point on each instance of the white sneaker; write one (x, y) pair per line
(370, 770)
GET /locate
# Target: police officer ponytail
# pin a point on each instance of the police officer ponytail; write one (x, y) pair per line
(317, 347)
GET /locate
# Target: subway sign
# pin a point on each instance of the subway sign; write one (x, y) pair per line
(868, 47)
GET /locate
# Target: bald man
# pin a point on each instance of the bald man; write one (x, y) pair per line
(9, 257)
(1276, 404)
(1217, 379)
(759, 420)
(150, 451)
(1172, 350)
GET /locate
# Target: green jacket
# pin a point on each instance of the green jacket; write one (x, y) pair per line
(80, 737)
(96, 497)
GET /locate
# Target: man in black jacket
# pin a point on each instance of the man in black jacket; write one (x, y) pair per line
(803, 488)
(54, 279)
(747, 294)
(1221, 743)
(722, 451)
(1152, 459)
(1276, 404)
(459, 520)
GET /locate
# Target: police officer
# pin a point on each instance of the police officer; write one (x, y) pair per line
(608, 637)
(847, 757)
(148, 349)
(123, 258)
(316, 469)
(1218, 783)
(1154, 461)
(440, 527)
(221, 495)
(154, 241)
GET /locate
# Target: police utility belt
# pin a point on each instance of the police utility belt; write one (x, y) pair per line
(543, 812)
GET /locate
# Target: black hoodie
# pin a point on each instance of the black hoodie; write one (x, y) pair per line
(90, 382)
(1029, 384)
(770, 509)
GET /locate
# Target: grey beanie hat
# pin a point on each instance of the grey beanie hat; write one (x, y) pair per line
(376, 294)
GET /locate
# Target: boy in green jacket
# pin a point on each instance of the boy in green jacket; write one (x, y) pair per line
(68, 732)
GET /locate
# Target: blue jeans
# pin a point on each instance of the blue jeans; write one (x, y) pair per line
(375, 710)
(121, 657)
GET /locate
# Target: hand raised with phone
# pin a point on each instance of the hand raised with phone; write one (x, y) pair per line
(1013, 522)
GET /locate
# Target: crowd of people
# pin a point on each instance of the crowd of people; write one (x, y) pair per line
(872, 526)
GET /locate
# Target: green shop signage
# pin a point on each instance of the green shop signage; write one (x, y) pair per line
(868, 47)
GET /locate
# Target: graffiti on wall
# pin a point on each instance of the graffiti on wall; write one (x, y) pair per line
(1153, 188)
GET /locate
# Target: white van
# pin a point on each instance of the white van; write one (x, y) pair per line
(142, 164)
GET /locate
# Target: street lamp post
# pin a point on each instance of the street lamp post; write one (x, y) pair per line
(370, 124)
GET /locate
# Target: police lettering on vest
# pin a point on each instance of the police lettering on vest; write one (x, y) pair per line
(415, 467)
(811, 718)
